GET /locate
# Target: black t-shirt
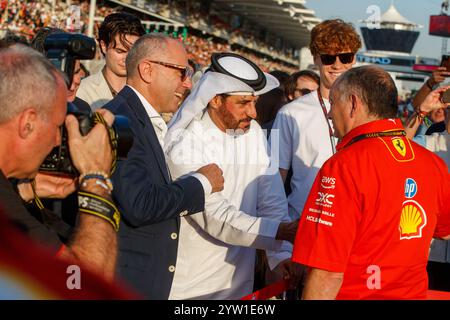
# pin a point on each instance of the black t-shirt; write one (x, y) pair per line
(436, 127)
(29, 222)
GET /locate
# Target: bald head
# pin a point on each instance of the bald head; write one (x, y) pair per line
(149, 46)
(373, 86)
(27, 80)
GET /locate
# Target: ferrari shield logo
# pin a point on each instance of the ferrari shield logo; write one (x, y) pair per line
(399, 145)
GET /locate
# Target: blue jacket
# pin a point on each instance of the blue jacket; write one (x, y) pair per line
(150, 204)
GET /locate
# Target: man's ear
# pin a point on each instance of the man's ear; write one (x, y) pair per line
(27, 122)
(103, 47)
(357, 106)
(216, 102)
(145, 71)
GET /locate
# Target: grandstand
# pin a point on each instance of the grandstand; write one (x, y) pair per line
(271, 32)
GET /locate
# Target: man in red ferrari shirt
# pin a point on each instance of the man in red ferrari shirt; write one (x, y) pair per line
(375, 205)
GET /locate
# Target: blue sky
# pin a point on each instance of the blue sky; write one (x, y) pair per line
(417, 11)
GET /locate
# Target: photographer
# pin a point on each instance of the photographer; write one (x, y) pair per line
(33, 100)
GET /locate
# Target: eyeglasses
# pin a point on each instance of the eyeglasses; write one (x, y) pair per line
(186, 72)
(303, 91)
(345, 58)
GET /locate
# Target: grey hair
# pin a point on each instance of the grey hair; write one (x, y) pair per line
(374, 86)
(146, 46)
(27, 79)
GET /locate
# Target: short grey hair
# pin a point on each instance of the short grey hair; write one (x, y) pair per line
(146, 46)
(374, 86)
(27, 79)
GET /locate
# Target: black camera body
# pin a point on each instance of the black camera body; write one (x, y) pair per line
(63, 49)
(58, 161)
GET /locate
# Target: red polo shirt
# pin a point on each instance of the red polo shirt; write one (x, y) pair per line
(372, 212)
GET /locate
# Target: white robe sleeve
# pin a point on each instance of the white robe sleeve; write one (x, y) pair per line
(226, 223)
(272, 204)
(221, 219)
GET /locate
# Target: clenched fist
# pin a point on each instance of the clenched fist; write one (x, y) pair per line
(215, 176)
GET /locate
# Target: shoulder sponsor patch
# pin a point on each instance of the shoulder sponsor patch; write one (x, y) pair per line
(399, 148)
(324, 199)
(328, 182)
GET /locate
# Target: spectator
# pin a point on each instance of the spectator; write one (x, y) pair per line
(439, 259)
(117, 34)
(306, 135)
(301, 83)
(437, 77)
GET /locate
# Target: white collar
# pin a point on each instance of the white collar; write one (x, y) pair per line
(147, 106)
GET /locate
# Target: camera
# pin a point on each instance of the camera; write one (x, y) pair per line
(63, 49)
(58, 161)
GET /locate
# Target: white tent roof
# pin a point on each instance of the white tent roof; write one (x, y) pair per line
(393, 16)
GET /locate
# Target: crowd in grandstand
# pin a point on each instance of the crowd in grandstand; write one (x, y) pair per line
(23, 19)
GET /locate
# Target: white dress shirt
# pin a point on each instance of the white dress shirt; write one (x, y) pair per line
(216, 253)
(160, 127)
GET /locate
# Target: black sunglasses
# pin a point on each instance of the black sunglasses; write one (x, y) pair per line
(303, 91)
(186, 72)
(345, 58)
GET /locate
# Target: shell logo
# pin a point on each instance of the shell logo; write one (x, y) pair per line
(412, 220)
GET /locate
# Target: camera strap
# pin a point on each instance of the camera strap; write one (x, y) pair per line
(113, 139)
(93, 204)
(50, 219)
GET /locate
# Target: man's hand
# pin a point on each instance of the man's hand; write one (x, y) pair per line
(292, 271)
(287, 231)
(90, 153)
(48, 186)
(214, 175)
(438, 76)
(433, 100)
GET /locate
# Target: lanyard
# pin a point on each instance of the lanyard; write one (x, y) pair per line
(376, 135)
(330, 130)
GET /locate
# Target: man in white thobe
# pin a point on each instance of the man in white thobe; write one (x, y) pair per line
(216, 253)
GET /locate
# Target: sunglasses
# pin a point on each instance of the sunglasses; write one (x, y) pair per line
(303, 91)
(186, 72)
(345, 58)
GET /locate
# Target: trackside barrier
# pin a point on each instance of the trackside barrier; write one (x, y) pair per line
(269, 291)
(281, 286)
